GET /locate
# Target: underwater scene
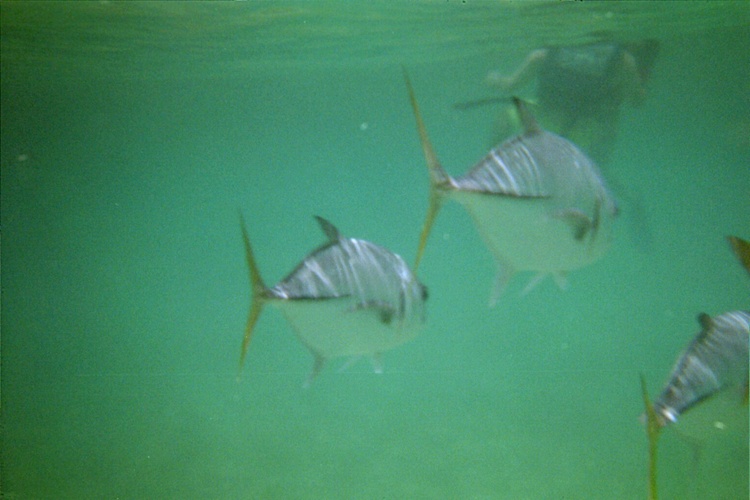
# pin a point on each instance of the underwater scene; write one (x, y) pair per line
(374, 250)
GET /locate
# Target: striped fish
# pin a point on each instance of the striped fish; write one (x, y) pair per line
(538, 201)
(716, 359)
(348, 297)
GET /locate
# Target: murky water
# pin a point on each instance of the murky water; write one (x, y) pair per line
(133, 133)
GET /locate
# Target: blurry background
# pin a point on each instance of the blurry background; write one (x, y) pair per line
(132, 133)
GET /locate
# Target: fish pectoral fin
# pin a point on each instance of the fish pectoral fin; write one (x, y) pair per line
(384, 311)
(349, 363)
(580, 223)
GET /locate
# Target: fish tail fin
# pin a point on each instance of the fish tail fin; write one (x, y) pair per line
(742, 250)
(432, 211)
(258, 294)
(437, 174)
(438, 177)
(653, 427)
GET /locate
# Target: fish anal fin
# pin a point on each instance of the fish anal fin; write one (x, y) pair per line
(538, 278)
(348, 363)
(328, 229)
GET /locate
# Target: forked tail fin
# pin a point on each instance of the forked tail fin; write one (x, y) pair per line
(432, 211)
(258, 294)
(653, 428)
(438, 178)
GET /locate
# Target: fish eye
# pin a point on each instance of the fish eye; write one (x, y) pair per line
(425, 293)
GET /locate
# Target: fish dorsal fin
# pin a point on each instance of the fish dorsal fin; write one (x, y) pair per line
(259, 291)
(530, 126)
(706, 322)
(742, 250)
(439, 179)
(329, 229)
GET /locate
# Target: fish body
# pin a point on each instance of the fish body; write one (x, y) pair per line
(538, 201)
(716, 359)
(349, 297)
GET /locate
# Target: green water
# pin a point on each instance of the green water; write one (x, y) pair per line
(133, 133)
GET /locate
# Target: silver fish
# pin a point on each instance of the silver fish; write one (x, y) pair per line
(348, 297)
(716, 359)
(538, 201)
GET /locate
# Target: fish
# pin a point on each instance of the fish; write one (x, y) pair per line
(539, 203)
(715, 360)
(741, 249)
(348, 297)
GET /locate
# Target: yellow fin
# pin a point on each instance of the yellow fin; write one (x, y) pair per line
(653, 428)
(438, 178)
(258, 294)
(432, 211)
(742, 250)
